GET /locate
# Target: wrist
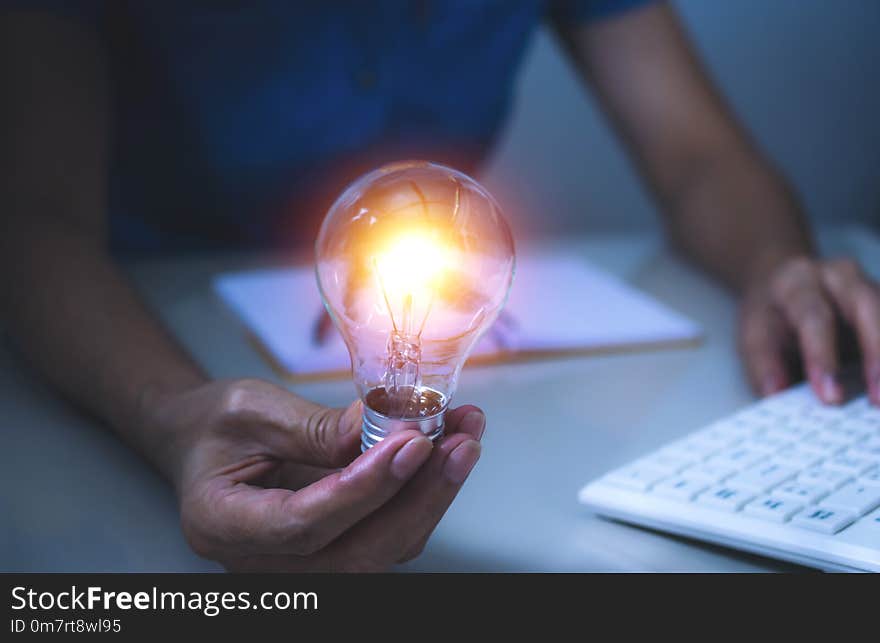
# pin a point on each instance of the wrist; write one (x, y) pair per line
(766, 262)
(166, 435)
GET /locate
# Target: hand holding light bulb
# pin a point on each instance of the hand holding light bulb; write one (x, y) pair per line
(414, 262)
(269, 481)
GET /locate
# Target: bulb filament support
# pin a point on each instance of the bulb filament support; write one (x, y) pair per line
(402, 372)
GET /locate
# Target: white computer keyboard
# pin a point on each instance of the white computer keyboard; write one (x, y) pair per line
(786, 477)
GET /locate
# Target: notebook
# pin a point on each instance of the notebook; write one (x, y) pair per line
(558, 305)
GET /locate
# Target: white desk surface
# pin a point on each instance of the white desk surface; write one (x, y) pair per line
(74, 498)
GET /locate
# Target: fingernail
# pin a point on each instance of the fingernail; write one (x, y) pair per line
(831, 392)
(461, 461)
(410, 457)
(474, 423)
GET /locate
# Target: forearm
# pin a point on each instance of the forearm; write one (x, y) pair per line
(62, 299)
(82, 326)
(736, 217)
(727, 208)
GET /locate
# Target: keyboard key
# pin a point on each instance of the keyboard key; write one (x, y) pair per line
(858, 407)
(865, 412)
(710, 473)
(823, 519)
(745, 426)
(693, 448)
(795, 431)
(725, 498)
(855, 429)
(805, 425)
(868, 448)
(635, 478)
(719, 436)
(826, 477)
(854, 497)
(680, 488)
(871, 478)
(763, 477)
(828, 415)
(760, 414)
(774, 509)
(738, 457)
(667, 462)
(853, 465)
(802, 493)
(824, 444)
(795, 457)
(770, 441)
(864, 532)
(838, 437)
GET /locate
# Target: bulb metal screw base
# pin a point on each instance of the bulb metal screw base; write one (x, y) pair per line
(377, 427)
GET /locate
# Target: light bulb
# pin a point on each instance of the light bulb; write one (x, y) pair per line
(414, 263)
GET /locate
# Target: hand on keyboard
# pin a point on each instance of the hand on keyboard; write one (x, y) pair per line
(798, 305)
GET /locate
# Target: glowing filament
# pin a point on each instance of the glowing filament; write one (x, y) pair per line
(410, 272)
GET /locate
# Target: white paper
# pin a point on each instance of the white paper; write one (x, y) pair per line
(558, 303)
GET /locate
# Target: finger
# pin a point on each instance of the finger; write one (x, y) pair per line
(403, 525)
(859, 303)
(762, 342)
(251, 520)
(329, 437)
(802, 300)
(292, 428)
(468, 419)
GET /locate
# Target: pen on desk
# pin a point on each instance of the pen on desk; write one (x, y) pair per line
(322, 327)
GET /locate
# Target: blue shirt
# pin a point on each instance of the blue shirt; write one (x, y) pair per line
(237, 122)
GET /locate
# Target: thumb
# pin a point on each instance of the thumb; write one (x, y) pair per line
(331, 436)
(291, 427)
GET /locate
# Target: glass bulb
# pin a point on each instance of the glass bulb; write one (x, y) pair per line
(414, 263)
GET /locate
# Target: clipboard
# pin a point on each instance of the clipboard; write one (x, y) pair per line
(559, 306)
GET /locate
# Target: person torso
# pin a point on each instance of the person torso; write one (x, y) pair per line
(237, 122)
